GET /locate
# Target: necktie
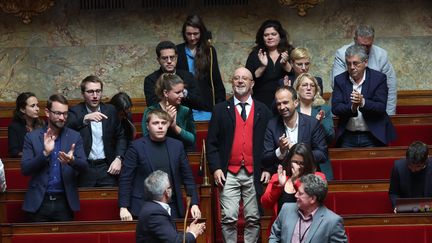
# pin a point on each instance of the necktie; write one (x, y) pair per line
(243, 111)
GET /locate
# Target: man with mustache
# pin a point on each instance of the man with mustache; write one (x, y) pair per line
(234, 149)
(103, 135)
(289, 128)
(52, 156)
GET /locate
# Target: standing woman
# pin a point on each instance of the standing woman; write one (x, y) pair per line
(198, 56)
(123, 104)
(169, 88)
(301, 61)
(269, 60)
(25, 119)
(312, 104)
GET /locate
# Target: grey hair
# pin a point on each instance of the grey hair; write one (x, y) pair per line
(363, 30)
(357, 50)
(315, 186)
(156, 184)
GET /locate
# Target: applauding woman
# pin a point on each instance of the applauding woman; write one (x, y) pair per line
(269, 60)
(197, 56)
(169, 88)
(283, 185)
(25, 119)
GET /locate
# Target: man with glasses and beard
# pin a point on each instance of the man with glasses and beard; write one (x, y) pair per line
(166, 52)
(52, 156)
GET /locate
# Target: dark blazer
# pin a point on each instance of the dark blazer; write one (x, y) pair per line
(326, 226)
(374, 91)
(310, 132)
(401, 181)
(155, 226)
(204, 84)
(114, 140)
(137, 167)
(220, 137)
(36, 165)
(16, 133)
(192, 100)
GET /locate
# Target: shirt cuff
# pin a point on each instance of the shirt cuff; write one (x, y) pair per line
(279, 154)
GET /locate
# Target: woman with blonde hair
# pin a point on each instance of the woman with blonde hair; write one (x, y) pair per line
(311, 103)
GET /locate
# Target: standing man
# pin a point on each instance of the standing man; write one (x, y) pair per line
(166, 52)
(292, 127)
(378, 60)
(103, 135)
(234, 149)
(359, 100)
(156, 152)
(155, 223)
(52, 156)
(308, 220)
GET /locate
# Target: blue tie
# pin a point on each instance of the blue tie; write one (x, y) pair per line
(243, 111)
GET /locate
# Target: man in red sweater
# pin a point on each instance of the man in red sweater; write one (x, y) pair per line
(234, 148)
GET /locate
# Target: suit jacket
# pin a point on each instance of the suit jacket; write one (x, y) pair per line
(327, 122)
(36, 165)
(401, 181)
(114, 140)
(155, 226)
(310, 132)
(192, 100)
(220, 137)
(378, 60)
(374, 91)
(326, 226)
(204, 83)
(137, 167)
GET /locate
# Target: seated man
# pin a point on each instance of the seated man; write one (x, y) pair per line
(412, 177)
(155, 223)
(153, 152)
(308, 220)
(53, 156)
(359, 99)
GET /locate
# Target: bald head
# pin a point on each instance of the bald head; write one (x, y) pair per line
(242, 83)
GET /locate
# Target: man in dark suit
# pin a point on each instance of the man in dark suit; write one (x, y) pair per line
(103, 135)
(53, 156)
(308, 220)
(289, 128)
(234, 149)
(155, 223)
(359, 99)
(156, 152)
(412, 177)
(166, 52)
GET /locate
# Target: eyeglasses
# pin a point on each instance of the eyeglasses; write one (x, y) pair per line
(93, 91)
(356, 64)
(58, 113)
(238, 78)
(168, 58)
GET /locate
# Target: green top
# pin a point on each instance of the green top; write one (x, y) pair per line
(184, 120)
